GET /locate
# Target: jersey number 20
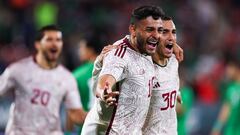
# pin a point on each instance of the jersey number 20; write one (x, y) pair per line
(40, 97)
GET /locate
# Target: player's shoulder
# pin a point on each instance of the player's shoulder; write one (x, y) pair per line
(21, 63)
(122, 49)
(173, 60)
(64, 72)
(62, 69)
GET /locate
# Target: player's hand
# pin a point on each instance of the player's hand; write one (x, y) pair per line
(104, 51)
(178, 51)
(109, 96)
(179, 99)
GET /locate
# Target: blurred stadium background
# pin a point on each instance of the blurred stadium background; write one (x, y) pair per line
(206, 30)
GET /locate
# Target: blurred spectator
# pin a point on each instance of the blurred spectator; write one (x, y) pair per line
(89, 49)
(184, 108)
(228, 121)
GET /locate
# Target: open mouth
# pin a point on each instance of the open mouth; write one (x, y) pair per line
(152, 43)
(169, 46)
(53, 50)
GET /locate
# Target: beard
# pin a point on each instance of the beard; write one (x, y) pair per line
(141, 44)
(51, 57)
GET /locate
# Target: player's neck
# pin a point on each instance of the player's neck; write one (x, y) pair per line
(160, 60)
(44, 63)
(133, 43)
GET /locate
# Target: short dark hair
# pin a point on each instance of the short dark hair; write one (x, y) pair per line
(232, 58)
(166, 18)
(94, 42)
(143, 12)
(40, 33)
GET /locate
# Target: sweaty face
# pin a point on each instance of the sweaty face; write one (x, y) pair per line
(51, 45)
(168, 37)
(148, 35)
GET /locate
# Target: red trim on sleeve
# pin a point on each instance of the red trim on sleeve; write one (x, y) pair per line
(114, 111)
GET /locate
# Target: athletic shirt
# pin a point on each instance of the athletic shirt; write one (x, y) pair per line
(233, 98)
(83, 75)
(187, 96)
(38, 95)
(161, 118)
(134, 73)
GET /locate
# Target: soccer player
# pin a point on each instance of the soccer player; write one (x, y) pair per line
(130, 69)
(161, 118)
(228, 118)
(39, 85)
(89, 49)
(183, 109)
(172, 68)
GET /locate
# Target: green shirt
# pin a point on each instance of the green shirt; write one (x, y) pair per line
(233, 98)
(83, 75)
(187, 98)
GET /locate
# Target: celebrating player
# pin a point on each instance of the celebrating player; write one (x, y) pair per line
(130, 69)
(40, 85)
(161, 118)
(166, 67)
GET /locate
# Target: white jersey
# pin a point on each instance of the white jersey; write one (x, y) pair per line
(161, 118)
(38, 95)
(134, 73)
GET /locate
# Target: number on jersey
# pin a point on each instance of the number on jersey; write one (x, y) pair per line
(40, 97)
(170, 99)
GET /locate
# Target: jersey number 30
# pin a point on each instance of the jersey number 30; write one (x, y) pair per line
(170, 99)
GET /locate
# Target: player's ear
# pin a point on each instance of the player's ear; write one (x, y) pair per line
(37, 45)
(132, 29)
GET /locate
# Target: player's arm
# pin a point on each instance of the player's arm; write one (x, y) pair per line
(178, 51)
(69, 124)
(76, 115)
(99, 60)
(6, 81)
(222, 118)
(180, 108)
(112, 71)
(104, 89)
(75, 112)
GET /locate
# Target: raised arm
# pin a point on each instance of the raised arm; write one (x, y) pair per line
(178, 51)
(104, 89)
(111, 72)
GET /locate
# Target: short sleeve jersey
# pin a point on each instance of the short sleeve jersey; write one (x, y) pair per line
(161, 118)
(38, 95)
(133, 72)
